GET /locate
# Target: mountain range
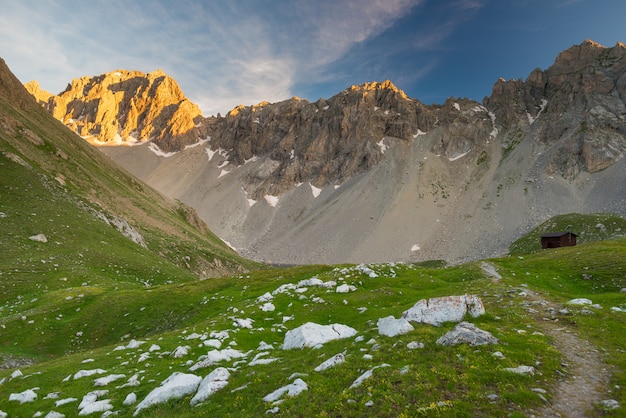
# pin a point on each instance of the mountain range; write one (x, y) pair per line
(370, 174)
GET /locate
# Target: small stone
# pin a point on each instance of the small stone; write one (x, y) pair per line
(493, 397)
(369, 404)
(413, 345)
(523, 370)
(38, 238)
(610, 404)
(498, 355)
(580, 301)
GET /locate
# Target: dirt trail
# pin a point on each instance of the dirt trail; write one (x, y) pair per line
(586, 377)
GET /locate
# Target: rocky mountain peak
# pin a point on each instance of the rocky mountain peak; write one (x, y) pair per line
(577, 57)
(376, 86)
(126, 106)
(42, 96)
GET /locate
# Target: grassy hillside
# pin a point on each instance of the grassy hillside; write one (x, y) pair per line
(104, 229)
(429, 381)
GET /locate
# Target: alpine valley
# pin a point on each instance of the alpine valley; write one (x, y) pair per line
(117, 298)
(371, 175)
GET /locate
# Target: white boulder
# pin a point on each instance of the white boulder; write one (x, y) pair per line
(312, 334)
(268, 307)
(85, 373)
(28, 395)
(523, 370)
(215, 356)
(243, 323)
(96, 406)
(103, 381)
(467, 333)
(181, 351)
(130, 399)
(266, 297)
(345, 288)
(580, 301)
(213, 382)
(174, 387)
(331, 362)
(38, 238)
(436, 311)
(292, 389)
(90, 403)
(391, 326)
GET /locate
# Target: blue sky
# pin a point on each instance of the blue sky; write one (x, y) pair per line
(225, 53)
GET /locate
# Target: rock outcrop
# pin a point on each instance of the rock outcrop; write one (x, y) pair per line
(581, 99)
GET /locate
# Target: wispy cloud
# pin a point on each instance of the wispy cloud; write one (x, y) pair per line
(337, 26)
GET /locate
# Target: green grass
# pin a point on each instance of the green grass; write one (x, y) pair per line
(433, 381)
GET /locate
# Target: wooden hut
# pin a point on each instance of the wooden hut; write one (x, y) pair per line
(558, 239)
